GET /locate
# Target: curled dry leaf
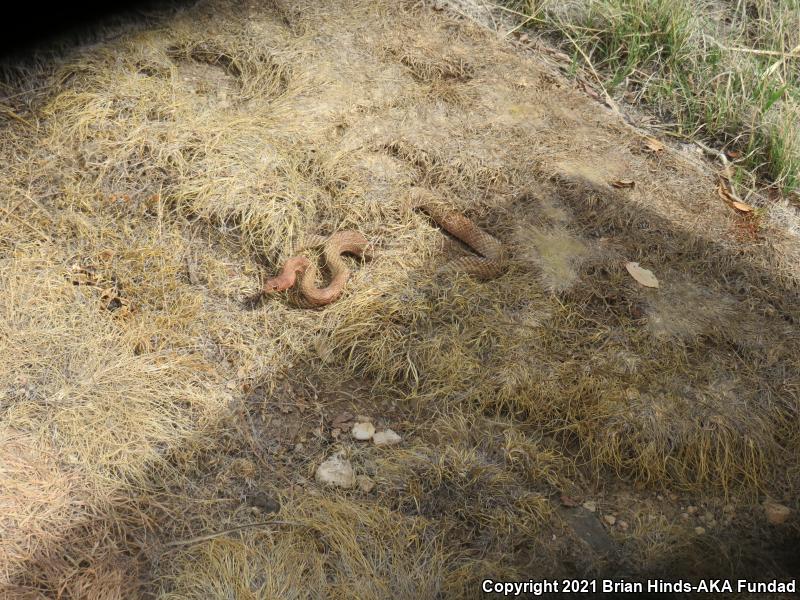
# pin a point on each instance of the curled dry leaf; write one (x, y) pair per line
(624, 183)
(588, 89)
(730, 197)
(568, 501)
(643, 276)
(653, 145)
(723, 192)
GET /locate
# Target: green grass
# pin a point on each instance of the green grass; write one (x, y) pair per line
(717, 72)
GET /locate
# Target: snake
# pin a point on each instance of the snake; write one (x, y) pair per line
(301, 269)
(301, 272)
(492, 260)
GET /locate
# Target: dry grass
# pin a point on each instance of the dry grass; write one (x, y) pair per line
(723, 72)
(156, 178)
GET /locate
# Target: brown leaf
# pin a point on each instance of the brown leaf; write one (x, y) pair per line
(730, 197)
(624, 183)
(653, 145)
(342, 418)
(733, 154)
(106, 254)
(568, 501)
(589, 90)
(723, 192)
(643, 276)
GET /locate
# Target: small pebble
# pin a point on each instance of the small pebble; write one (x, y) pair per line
(264, 502)
(363, 431)
(609, 519)
(386, 438)
(342, 418)
(691, 509)
(623, 525)
(337, 471)
(776, 513)
(590, 505)
(699, 530)
(365, 484)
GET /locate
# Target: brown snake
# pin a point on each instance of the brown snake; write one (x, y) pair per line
(489, 265)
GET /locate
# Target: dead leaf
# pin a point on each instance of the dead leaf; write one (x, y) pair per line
(723, 192)
(653, 145)
(643, 276)
(730, 197)
(589, 90)
(733, 154)
(624, 183)
(727, 174)
(568, 501)
(342, 418)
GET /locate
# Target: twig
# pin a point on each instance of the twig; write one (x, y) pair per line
(609, 101)
(715, 153)
(211, 536)
(10, 113)
(794, 53)
(36, 230)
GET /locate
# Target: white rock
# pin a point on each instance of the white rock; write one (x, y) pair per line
(365, 484)
(337, 471)
(363, 431)
(386, 438)
(590, 505)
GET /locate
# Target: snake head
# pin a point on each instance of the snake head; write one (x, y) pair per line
(275, 285)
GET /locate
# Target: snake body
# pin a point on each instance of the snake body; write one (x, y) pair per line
(300, 269)
(492, 261)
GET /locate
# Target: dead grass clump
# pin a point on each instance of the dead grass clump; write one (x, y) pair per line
(95, 420)
(38, 501)
(55, 533)
(709, 435)
(90, 565)
(108, 412)
(330, 547)
(475, 474)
